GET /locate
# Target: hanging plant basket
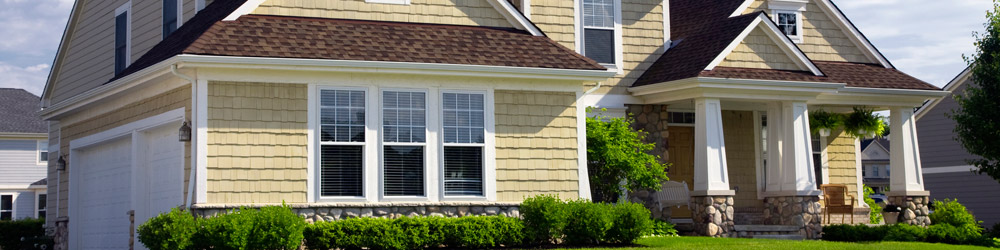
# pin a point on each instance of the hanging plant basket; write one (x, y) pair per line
(864, 123)
(823, 123)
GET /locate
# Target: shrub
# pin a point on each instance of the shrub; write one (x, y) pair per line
(662, 228)
(904, 232)
(952, 223)
(875, 214)
(629, 222)
(483, 232)
(587, 222)
(544, 218)
(415, 233)
(276, 228)
(953, 213)
(854, 233)
(172, 230)
(422, 231)
(24, 234)
(616, 153)
(226, 231)
(947, 233)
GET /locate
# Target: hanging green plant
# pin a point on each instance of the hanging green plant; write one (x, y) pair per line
(822, 122)
(864, 123)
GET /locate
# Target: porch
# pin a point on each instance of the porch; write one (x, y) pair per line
(771, 171)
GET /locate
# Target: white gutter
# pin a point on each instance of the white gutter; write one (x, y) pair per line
(191, 177)
(108, 89)
(881, 91)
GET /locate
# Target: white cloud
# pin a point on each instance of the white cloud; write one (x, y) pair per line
(31, 78)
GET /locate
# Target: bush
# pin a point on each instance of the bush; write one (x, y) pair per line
(171, 230)
(415, 233)
(662, 228)
(483, 232)
(630, 221)
(24, 234)
(854, 233)
(544, 218)
(953, 213)
(875, 214)
(277, 228)
(952, 223)
(587, 222)
(947, 233)
(904, 232)
(226, 231)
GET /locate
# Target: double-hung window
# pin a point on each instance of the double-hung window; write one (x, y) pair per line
(404, 139)
(599, 38)
(170, 15)
(342, 142)
(42, 202)
(43, 152)
(6, 207)
(464, 134)
(122, 22)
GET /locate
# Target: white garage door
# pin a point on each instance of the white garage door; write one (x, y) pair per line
(163, 165)
(104, 195)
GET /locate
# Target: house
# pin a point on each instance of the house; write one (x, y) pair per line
(24, 148)
(946, 170)
(875, 160)
(347, 108)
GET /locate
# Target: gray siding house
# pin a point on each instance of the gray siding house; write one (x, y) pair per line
(947, 175)
(23, 156)
(875, 168)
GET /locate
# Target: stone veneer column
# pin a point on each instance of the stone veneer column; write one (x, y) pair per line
(61, 237)
(914, 209)
(651, 119)
(801, 211)
(713, 215)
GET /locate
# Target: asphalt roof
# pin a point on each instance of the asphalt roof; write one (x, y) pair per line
(19, 109)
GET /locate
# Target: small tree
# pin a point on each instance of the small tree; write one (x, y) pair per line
(618, 153)
(978, 119)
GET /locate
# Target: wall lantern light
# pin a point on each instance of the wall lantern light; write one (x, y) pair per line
(61, 164)
(185, 132)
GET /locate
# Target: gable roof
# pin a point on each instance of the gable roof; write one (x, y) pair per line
(19, 109)
(703, 28)
(953, 85)
(342, 39)
(881, 142)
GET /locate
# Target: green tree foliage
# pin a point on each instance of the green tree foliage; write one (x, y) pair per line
(617, 152)
(875, 215)
(978, 119)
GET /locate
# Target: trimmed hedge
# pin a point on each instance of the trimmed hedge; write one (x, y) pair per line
(241, 229)
(24, 234)
(550, 220)
(415, 233)
(951, 224)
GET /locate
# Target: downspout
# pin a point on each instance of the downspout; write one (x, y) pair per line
(592, 90)
(191, 177)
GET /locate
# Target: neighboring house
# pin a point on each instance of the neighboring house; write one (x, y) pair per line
(23, 156)
(875, 164)
(349, 108)
(946, 171)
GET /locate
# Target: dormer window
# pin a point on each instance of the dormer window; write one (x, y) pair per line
(787, 15)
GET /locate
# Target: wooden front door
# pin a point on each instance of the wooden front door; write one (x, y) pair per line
(680, 145)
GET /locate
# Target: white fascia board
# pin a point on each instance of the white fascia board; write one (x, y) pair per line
(743, 7)
(853, 33)
(394, 67)
(138, 78)
(514, 17)
(950, 88)
(244, 9)
(878, 98)
(898, 92)
(730, 83)
(783, 42)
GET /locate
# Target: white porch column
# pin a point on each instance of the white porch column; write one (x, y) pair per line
(906, 178)
(711, 176)
(799, 176)
(772, 173)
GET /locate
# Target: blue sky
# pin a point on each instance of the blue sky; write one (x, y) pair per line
(925, 38)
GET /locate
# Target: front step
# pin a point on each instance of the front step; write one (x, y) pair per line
(779, 232)
(780, 237)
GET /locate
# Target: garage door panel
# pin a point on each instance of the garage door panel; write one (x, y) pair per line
(163, 161)
(105, 192)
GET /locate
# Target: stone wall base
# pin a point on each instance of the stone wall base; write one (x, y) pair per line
(61, 236)
(799, 211)
(330, 212)
(713, 216)
(915, 210)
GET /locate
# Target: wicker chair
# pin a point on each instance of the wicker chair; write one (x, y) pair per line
(836, 196)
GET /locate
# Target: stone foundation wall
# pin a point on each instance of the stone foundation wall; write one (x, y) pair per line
(800, 211)
(653, 120)
(713, 216)
(330, 212)
(61, 236)
(914, 208)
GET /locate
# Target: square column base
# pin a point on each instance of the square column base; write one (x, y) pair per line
(914, 209)
(713, 215)
(801, 211)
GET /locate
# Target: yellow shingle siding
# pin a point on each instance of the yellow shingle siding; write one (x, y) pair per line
(843, 168)
(459, 12)
(741, 156)
(823, 40)
(642, 35)
(536, 144)
(757, 50)
(257, 140)
(171, 100)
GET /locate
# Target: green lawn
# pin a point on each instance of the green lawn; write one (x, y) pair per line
(729, 243)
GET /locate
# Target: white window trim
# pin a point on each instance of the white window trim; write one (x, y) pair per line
(372, 171)
(127, 9)
(489, 159)
(798, 23)
(368, 147)
(430, 175)
(38, 207)
(400, 2)
(38, 152)
(13, 204)
(618, 66)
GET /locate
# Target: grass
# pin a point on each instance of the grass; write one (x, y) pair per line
(736, 244)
